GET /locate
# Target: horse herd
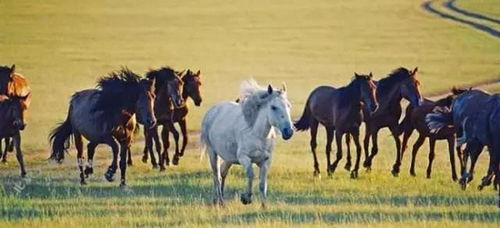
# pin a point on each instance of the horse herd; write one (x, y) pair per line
(243, 132)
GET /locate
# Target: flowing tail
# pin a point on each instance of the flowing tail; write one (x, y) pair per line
(439, 118)
(304, 122)
(60, 140)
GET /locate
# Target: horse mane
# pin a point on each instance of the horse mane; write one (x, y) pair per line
(117, 90)
(252, 97)
(5, 72)
(162, 76)
(393, 78)
(348, 91)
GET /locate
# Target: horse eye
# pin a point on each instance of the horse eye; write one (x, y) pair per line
(274, 108)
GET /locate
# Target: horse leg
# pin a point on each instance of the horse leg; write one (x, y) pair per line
(263, 167)
(123, 163)
(374, 149)
(129, 159)
(166, 144)
(451, 150)
(146, 149)
(90, 160)
(184, 132)
(338, 140)
(156, 142)
(1, 149)
(79, 156)
(246, 197)
(19, 154)
(314, 144)
(216, 177)
(113, 143)
(366, 146)
(406, 137)
(8, 147)
(348, 143)
(177, 154)
(397, 163)
(328, 150)
(224, 169)
(355, 136)
(416, 147)
(491, 169)
(432, 146)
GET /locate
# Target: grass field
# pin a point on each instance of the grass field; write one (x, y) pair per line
(64, 46)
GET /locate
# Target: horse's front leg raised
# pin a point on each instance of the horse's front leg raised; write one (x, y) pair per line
(113, 143)
(246, 162)
(263, 168)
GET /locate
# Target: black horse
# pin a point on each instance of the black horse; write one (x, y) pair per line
(106, 115)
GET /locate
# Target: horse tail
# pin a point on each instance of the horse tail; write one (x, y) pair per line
(60, 139)
(405, 125)
(439, 118)
(304, 122)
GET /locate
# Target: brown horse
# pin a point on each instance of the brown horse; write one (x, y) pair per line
(106, 115)
(12, 84)
(401, 83)
(415, 120)
(191, 89)
(338, 110)
(168, 96)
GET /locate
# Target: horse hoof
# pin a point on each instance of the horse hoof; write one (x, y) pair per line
(167, 162)
(463, 184)
(83, 182)
(88, 171)
(413, 174)
(428, 176)
(144, 159)
(246, 198)
(347, 166)
(480, 187)
(175, 161)
(394, 173)
(162, 169)
(316, 173)
(155, 166)
(109, 177)
(123, 185)
(368, 169)
(4, 160)
(23, 174)
(354, 174)
(455, 179)
(130, 163)
(367, 164)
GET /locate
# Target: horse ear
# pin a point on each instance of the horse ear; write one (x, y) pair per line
(283, 89)
(198, 73)
(371, 75)
(13, 68)
(269, 89)
(356, 74)
(153, 82)
(414, 71)
(180, 73)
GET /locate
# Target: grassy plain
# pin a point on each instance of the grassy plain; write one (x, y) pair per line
(64, 46)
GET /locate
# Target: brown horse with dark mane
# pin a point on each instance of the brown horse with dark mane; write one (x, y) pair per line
(191, 89)
(15, 98)
(401, 83)
(106, 115)
(415, 120)
(168, 96)
(338, 110)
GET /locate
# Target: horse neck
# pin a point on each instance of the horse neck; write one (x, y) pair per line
(261, 126)
(350, 95)
(387, 99)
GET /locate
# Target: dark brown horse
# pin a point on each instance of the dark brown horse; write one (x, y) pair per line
(476, 117)
(106, 115)
(415, 120)
(191, 89)
(338, 110)
(401, 83)
(168, 96)
(15, 85)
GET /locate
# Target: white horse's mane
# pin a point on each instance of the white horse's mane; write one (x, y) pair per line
(252, 97)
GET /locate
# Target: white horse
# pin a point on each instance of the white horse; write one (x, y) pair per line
(243, 133)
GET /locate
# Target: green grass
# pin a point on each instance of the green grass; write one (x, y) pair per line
(63, 46)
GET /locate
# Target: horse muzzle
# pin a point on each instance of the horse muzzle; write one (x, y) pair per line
(178, 102)
(197, 102)
(286, 133)
(19, 124)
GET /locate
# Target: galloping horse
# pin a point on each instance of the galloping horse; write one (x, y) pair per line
(476, 117)
(15, 98)
(243, 133)
(415, 120)
(106, 115)
(168, 96)
(191, 88)
(338, 110)
(401, 83)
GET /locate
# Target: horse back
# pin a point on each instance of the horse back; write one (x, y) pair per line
(321, 102)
